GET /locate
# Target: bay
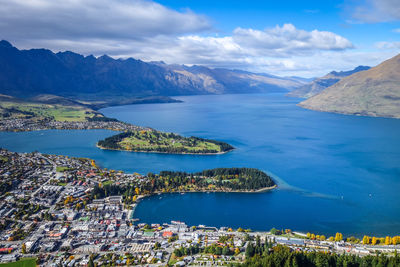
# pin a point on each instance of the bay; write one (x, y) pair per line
(336, 173)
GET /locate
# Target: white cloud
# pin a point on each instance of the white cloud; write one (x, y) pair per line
(373, 11)
(397, 30)
(97, 19)
(279, 49)
(288, 40)
(149, 31)
(388, 45)
(279, 41)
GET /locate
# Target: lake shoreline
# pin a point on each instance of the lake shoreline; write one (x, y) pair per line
(312, 154)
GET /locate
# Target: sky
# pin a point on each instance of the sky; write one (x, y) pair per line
(305, 38)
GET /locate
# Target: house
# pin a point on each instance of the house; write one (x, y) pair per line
(167, 234)
(9, 258)
(180, 263)
(116, 200)
(5, 250)
(159, 255)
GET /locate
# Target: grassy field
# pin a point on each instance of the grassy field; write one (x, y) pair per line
(149, 140)
(25, 262)
(156, 141)
(62, 168)
(107, 183)
(10, 109)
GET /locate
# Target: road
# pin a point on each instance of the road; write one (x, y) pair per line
(54, 170)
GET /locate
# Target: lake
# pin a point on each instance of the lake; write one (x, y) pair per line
(336, 173)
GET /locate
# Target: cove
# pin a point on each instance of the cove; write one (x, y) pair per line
(336, 173)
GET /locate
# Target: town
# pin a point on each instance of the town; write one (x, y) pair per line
(24, 124)
(64, 210)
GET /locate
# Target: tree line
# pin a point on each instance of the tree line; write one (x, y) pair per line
(283, 256)
(228, 178)
(170, 181)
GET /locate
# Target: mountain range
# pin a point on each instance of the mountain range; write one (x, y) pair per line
(28, 73)
(43, 76)
(373, 92)
(318, 85)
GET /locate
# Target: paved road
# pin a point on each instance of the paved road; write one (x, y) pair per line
(54, 170)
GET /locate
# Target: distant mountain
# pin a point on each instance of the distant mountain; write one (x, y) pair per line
(221, 81)
(374, 92)
(28, 73)
(320, 84)
(300, 79)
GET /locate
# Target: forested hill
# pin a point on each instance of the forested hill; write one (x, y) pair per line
(220, 179)
(215, 180)
(27, 73)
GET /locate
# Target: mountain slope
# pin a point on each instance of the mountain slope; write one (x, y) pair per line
(221, 81)
(320, 84)
(27, 73)
(374, 92)
(45, 107)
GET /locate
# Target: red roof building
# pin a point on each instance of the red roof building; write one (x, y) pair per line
(167, 234)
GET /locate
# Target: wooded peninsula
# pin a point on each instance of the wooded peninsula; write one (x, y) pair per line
(160, 142)
(214, 180)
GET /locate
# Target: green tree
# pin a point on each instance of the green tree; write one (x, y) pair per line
(91, 263)
(225, 251)
(275, 231)
(249, 250)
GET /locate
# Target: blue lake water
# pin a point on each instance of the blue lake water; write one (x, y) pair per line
(335, 172)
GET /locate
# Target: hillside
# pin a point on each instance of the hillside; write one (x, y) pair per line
(318, 85)
(155, 141)
(374, 92)
(27, 73)
(45, 107)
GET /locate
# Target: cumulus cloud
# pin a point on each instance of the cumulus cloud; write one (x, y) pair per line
(279, 41)
(373, 11)
(273, 48)
(150, 31)
(287, 39)
(98, 19)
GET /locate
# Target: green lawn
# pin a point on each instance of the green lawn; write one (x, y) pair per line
(107, 183)
(24, 262)
(37, 110)
(149, 141)
(61, 168)
(156, 141)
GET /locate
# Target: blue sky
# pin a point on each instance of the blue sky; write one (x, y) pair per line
(302, 38)
(327, 15)
(260, 14)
